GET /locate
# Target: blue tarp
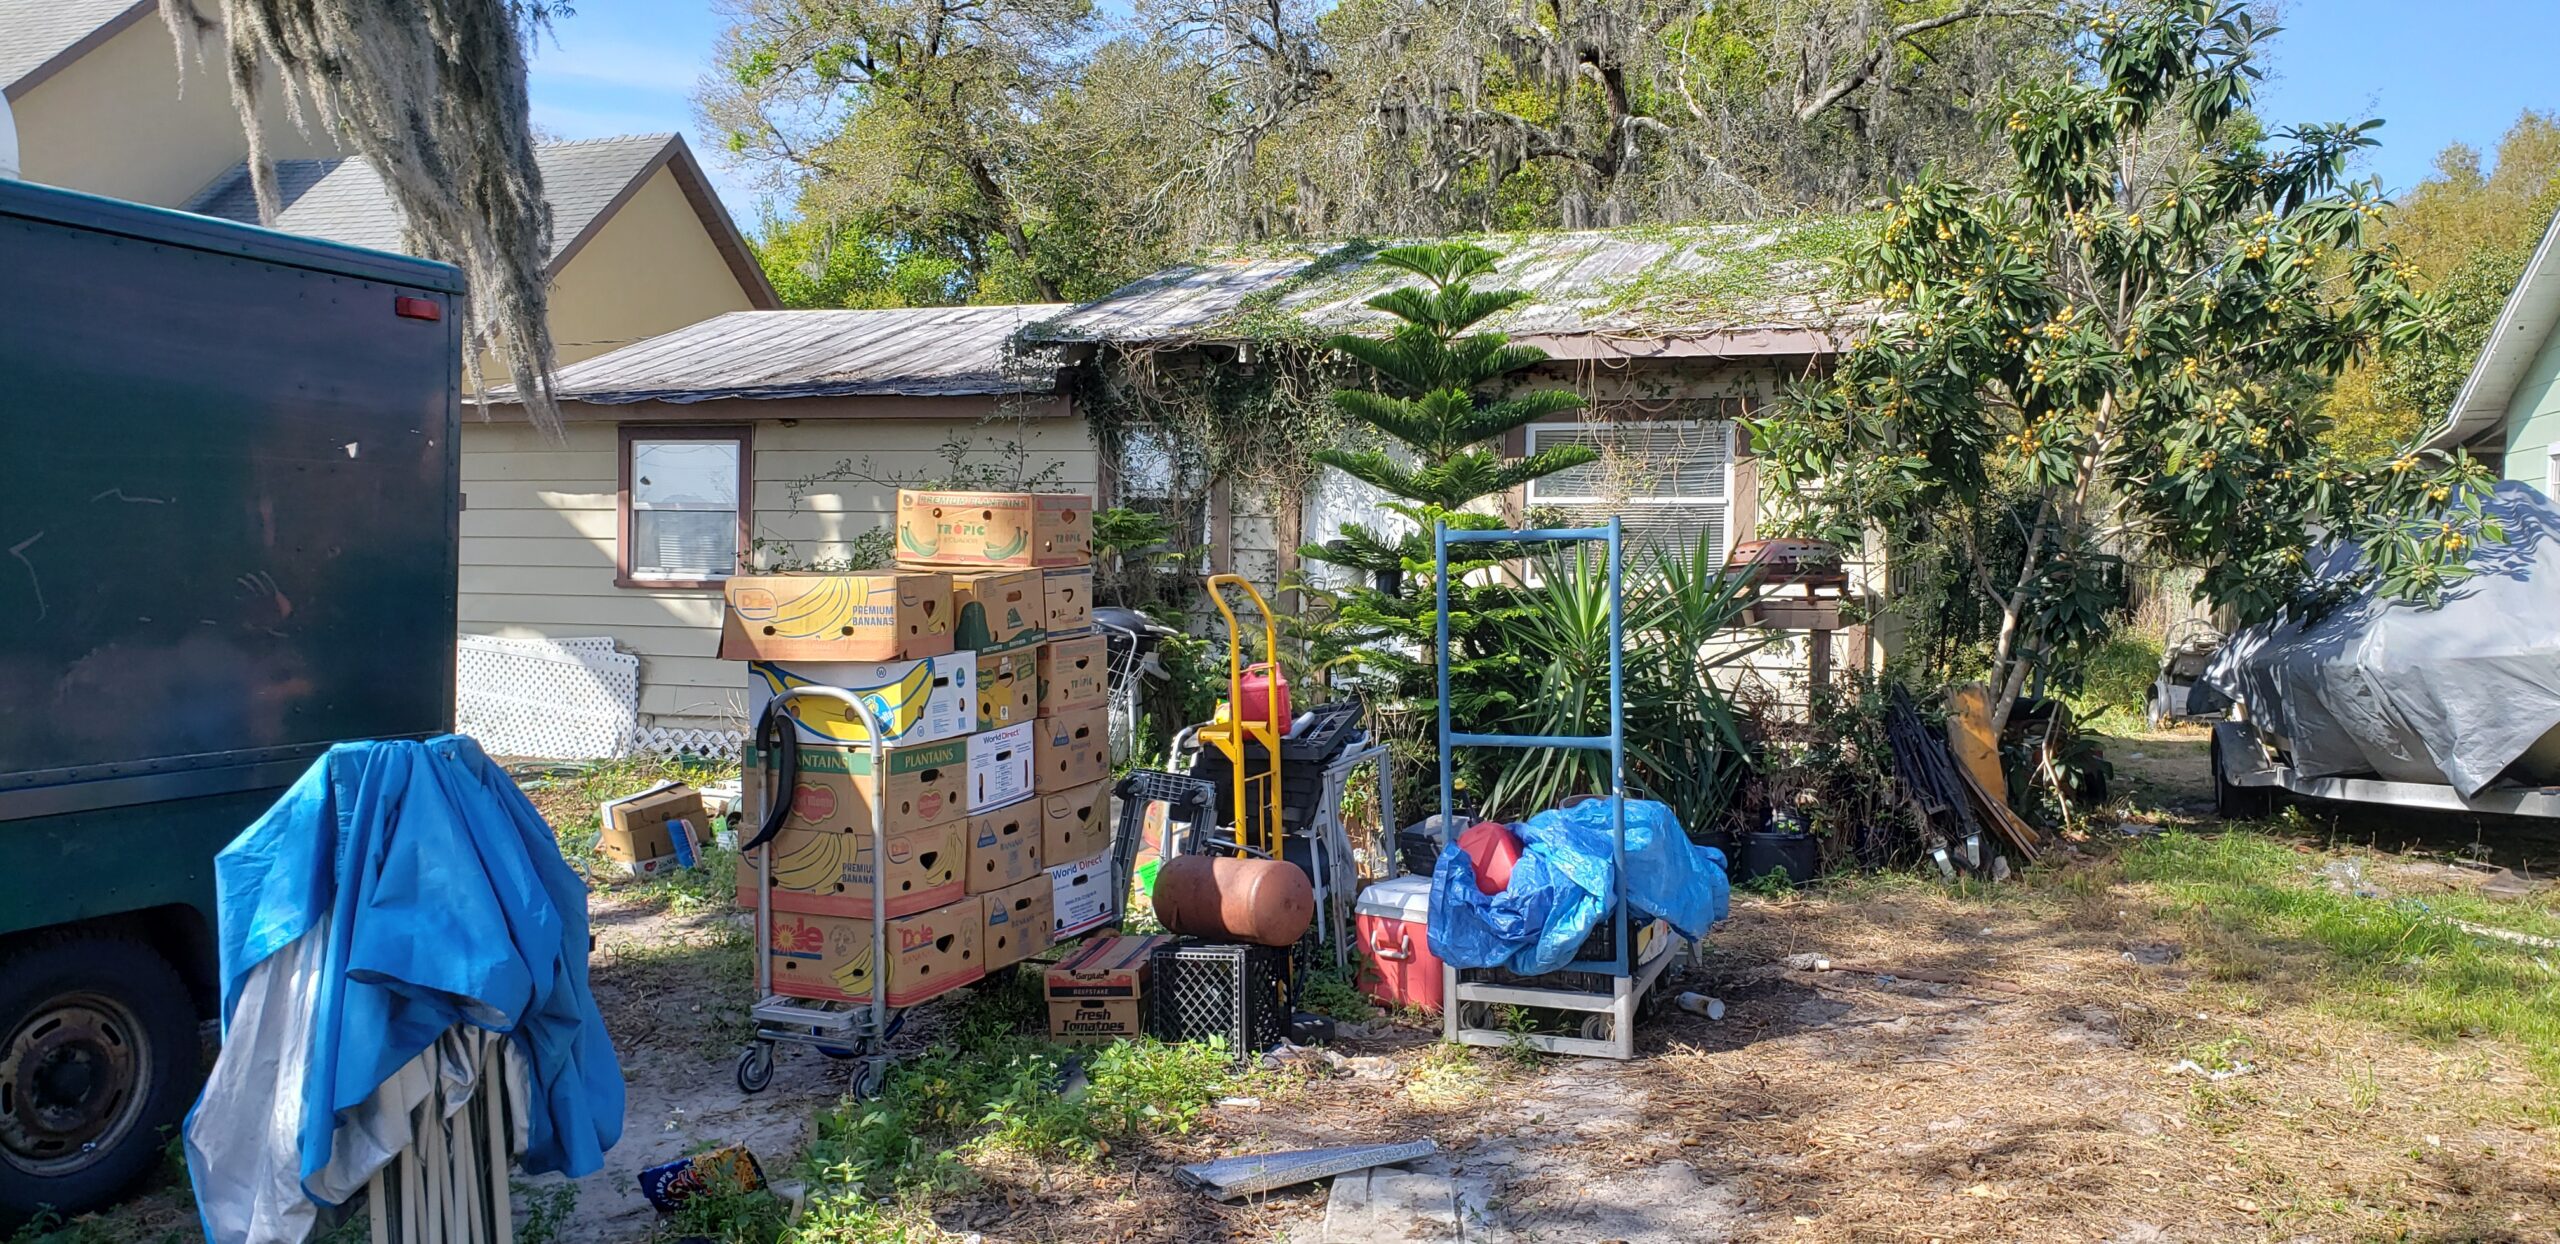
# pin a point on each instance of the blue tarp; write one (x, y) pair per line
(397, 890)
(1560, 890)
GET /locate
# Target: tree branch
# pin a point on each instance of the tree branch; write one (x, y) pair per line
(1830, 96)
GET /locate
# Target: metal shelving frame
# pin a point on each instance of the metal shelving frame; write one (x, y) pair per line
(1609, 1032)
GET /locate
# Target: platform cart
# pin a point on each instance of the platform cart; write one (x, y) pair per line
(838, 1029)
(1608, 991)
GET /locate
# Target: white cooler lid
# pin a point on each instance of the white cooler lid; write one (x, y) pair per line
(1404, 898)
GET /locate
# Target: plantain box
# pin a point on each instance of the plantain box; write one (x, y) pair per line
(830, 957)
(1068, 593)
(1004, 845)
(998, 610)
(1018, 530)
(1075, 750)
(836, 617)
(917, 701)
(1070, 674)
(1008, 687)
(1017, 922)
(1076, 823)
(927, 784)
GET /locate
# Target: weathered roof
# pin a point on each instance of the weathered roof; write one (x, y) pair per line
(344, 200)
(40, 36)
(909, 352)
(1704, 289)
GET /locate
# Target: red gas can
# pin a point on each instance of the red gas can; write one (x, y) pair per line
(1260, 685)
(1395, 937)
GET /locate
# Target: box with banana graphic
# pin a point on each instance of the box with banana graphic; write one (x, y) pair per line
(822, 858)
(916, 701)
(1071, 674)
(837, 617)
(1017, 922)
(930, 953)
(1004, 845)
(1022, 530)
(999, 610)
(1068, 593)
(1075, 824)
(1008, 688)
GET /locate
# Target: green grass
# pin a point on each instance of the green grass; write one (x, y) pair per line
(569, 799)
(2406, 964)
(2116, 679)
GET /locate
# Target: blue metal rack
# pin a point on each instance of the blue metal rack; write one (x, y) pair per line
(1614, 742)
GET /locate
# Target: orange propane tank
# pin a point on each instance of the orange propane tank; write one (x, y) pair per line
(1268, 902)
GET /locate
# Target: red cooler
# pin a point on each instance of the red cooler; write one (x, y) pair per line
(1395, 936)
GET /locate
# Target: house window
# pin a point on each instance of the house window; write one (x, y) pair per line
(684, 505)
(2551, 472)
(1671, 480)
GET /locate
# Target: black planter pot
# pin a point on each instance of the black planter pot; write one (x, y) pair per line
(1798, 856)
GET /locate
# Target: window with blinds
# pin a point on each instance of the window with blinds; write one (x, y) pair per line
(1670, 480)
(684, 509)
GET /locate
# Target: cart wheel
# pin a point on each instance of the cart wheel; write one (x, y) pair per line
(755, 1067)
(1477, 1015)
(869, 1077)
(1595, 1027)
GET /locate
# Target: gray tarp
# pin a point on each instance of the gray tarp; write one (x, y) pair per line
(2454, 694)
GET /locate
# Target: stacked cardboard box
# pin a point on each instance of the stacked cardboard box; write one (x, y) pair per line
(953, 651)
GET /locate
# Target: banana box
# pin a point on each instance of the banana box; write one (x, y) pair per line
(836, 617)
(1075, 823)
(1008, 688)
(927, 784)
(1068, 595)
(828, 871)
(1020, 530)
(1017, 922)
(1004, 846)
(1071, 674)
(1080, 898)
(917, 701)
(1099, 993)
(831, 957)
(1000, 764)
(1075, 749)
(999, 610)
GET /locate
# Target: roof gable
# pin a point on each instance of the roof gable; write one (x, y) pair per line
(2523, 326)
(39, 37)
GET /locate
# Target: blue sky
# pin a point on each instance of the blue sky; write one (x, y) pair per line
(2438, 71)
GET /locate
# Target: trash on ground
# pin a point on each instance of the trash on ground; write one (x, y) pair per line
(655, 830)
(1808, 963)
(670, 1184)
(1701, 1004)
(2190, 1067)
(1230, 1178)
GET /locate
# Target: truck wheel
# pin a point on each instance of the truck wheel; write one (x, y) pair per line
(2234, 802)
(98, 1053)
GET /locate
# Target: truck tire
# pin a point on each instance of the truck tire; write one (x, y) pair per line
(2233, 802)
(98, 1055)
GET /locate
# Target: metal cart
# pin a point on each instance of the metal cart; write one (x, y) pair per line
(839, 1029)
(1610, 990)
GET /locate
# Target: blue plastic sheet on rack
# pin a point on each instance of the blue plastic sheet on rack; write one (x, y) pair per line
(1559, 890)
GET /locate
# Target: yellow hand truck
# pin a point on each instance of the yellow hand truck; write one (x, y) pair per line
(1232, 735)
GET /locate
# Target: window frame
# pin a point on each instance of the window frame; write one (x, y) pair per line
(626, 435)
(1531, 435)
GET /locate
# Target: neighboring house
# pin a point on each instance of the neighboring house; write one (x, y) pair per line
(2508, 412)
(773, 437)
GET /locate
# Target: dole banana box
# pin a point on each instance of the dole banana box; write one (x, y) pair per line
(1076, 823)
(1071, 675)
(1018, 530)
(1017, 922)
(836, 617)
(999, 610)
(1000, 765)
(1068, 593)
(1080, 898)
(1004, 846)
(1075, 749)
(831, 957)
(917, 701)
(1099, 993)
(1008, 688)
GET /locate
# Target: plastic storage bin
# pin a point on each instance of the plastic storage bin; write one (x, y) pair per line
(1395, 937)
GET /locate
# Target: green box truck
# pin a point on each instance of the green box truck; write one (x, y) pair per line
(228, 519)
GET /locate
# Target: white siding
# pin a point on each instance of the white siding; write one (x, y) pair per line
(539, 528)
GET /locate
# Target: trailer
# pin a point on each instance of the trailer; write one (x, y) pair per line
(228, 541)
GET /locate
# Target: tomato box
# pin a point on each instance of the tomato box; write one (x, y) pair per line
(1075, 823)
(1017, 922)
(830, 957)
(1075, 749)
(828, 871)
(999, 610)
(927, 784)
(1099, 993)
(1021, 530)
(1000, 765)
(1004, 845)
(917, 701)
(836, 617)
(1008, 688)
(1068, 594)
(1070, 674)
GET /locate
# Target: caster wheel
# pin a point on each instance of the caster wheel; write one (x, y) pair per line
(755, 1067)
(1595, 1027)
(869, 1078)
(1475, 1015)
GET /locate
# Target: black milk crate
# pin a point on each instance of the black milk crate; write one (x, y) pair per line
(1197, 990)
